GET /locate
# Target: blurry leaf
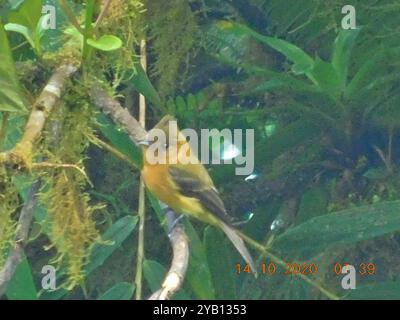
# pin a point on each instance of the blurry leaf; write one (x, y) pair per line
(191, 102)
(389, 290)
(313, 204)
(379, 173)
(120, 291)
(116, 234)
(10, 94)
(284, 139)
(342, 51)
(220, 263)
(154, 274)
(368, 71)
(22, 286)
(143, 85)
(198, 274)
(342, 228)
(285, 81)
(105, 43)
(40, 28)
(303, 63)
(327, 78)
(27, 33)
(75, 34)
(27, 14)
(119, 139)
(259, 226)
(181, 108)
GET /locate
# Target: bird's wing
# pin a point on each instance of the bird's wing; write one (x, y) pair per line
(194, 181)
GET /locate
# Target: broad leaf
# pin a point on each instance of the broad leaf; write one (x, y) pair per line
(389, 290)
(116, 234)
(105, 43)
(220, 263)
(120, 291)
(22, 286)
(303, 63)
(141, 82)
(198, 274)
(341, 55)
(327, 78)
(19, 28)
(10, 94)
(342, 228)
(119, 139)
(27, 14)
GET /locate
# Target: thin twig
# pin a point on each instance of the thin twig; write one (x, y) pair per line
(41, 165)
(102, 14)
(142, 192)
(102, 144)
(70, 15)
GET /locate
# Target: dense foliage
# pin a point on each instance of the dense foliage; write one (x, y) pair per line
(324, 104)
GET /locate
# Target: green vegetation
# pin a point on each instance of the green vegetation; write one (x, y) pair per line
(324, 104)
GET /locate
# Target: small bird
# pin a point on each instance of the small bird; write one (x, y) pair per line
(185, 186)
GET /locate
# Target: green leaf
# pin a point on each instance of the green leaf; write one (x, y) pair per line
(120, 291)
(368, 71)
(119, 139)
(105, 43)
(303, 63)
(313, 204)
(389, 290)
(10, 94)
(27, 33)
(338, 229)
(141, 82)
(154, 274)
(341, 54)
(27, 14)
(198, 274)
(116, 234)
(327, 78)
(75, 34)
(22, 286)
(284, 139)
(220, 263)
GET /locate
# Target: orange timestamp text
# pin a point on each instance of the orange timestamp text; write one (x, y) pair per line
(304, 268)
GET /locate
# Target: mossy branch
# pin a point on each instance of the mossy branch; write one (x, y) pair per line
(21, 154)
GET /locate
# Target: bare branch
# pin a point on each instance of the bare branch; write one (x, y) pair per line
(119, 114)
(176, 274)
(102, 13)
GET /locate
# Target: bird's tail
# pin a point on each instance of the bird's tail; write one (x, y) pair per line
(239, 245)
